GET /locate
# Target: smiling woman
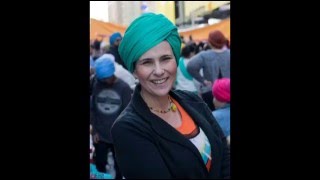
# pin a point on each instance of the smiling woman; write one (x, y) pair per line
(164, 133)
(156, 71)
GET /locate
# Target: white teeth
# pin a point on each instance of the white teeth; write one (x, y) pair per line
(159, 81)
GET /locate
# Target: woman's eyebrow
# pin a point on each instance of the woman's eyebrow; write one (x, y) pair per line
(145, 59)
(166, 55)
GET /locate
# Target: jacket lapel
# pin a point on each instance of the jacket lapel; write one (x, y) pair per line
(196, 110)
(166, 131)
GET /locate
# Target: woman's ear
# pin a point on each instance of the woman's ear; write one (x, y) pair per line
(134, 74)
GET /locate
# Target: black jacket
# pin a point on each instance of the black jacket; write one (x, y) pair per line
(147, 147)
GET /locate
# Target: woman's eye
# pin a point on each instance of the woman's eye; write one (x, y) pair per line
(146, 62)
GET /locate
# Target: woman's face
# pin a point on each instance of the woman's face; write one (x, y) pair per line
(156, 70)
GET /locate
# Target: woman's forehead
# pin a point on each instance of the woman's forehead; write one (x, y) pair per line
(157, 51)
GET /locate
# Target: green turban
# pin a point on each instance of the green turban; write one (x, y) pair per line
(144, 33)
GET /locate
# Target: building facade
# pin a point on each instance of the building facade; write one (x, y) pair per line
(190, 13)
(181, 13)
(124, 12)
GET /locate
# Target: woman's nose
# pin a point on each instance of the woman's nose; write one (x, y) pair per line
(158, 70)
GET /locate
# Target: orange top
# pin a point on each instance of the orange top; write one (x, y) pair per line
(188, 127)
(187, 124)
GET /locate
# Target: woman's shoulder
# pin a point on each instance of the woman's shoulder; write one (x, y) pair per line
(129, 117)
(129, 124)
(206, 53)
(127, 114)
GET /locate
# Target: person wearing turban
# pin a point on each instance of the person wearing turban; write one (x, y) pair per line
(164, 133)
(221, 100)
(214, 62)
(110, 96)
(115, 40)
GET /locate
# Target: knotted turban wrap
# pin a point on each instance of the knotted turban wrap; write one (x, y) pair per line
(221, 90)
(144, 33)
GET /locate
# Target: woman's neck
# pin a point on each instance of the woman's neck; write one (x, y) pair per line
(219, 50)
(156, 102)
(219, 104)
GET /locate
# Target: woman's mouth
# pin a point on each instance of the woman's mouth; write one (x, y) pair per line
(160, 81)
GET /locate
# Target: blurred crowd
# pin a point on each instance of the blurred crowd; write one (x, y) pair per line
(203, 69)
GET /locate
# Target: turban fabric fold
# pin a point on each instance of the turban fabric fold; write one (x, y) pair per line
(221, 89)
(114, 37)
(217, 39)
(104, 67)
(144, 33)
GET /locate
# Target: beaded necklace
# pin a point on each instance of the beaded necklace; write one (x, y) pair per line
(172, 107)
